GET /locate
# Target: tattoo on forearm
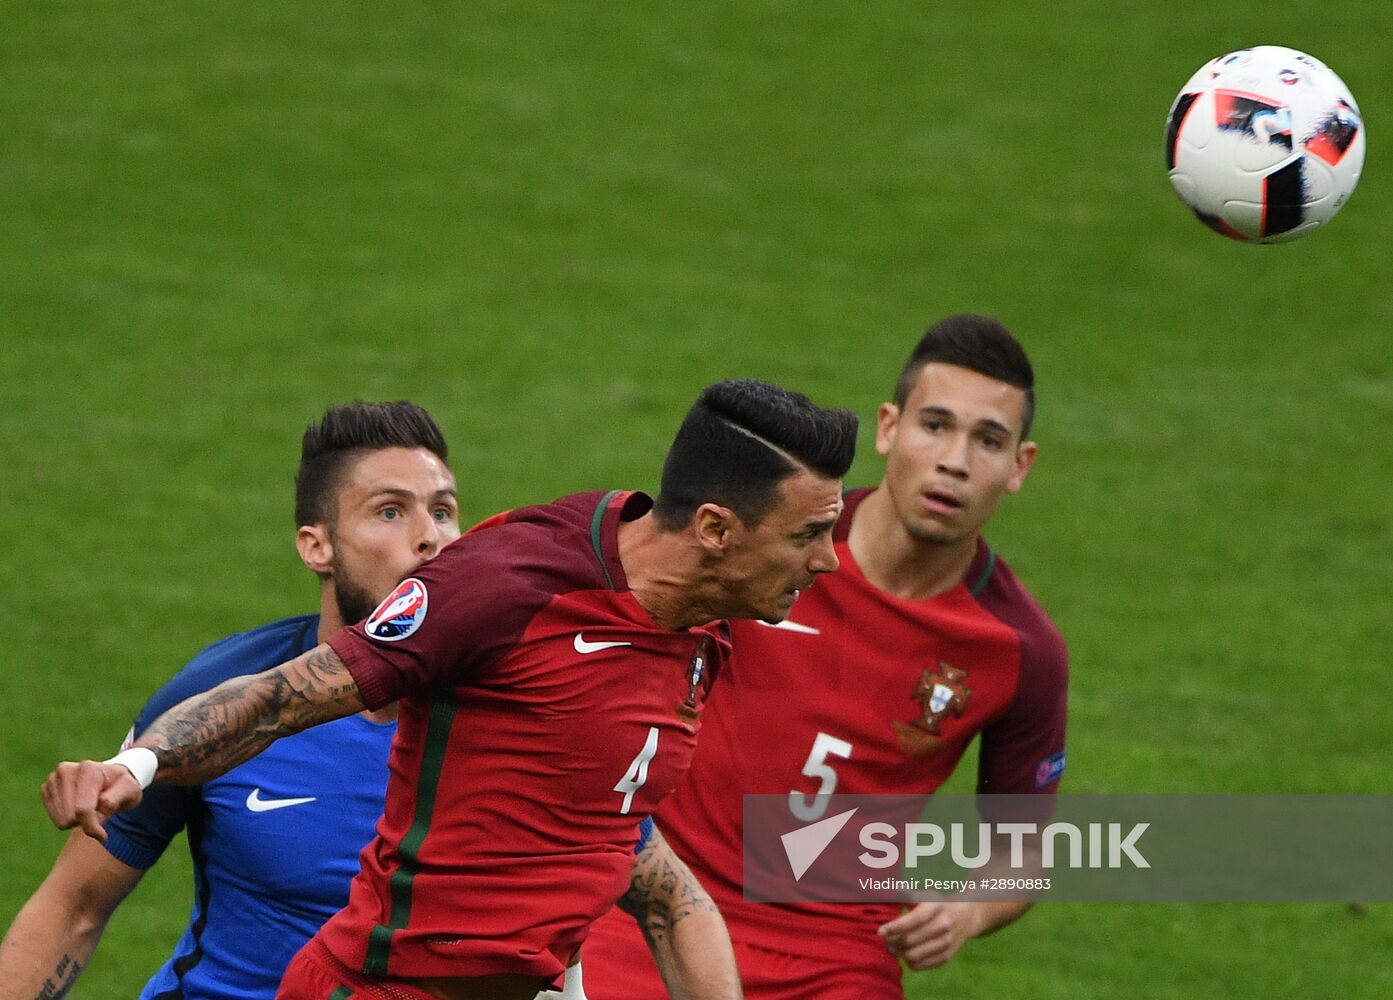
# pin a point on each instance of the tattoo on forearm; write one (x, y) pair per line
(63, 978)
(239, 718)
(662, 893)
(327, 677)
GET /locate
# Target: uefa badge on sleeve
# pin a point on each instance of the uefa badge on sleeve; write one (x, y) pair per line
(400, 615)
(1050, 769)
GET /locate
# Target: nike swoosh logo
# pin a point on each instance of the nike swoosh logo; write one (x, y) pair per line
(792, 626)
(259, 805)
(594, 647)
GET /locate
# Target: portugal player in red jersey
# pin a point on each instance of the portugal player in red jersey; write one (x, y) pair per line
(552, 667)
(877, 682)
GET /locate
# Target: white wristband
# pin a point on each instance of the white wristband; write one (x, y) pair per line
(140, 761)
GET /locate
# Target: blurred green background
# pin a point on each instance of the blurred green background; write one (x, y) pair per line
(553, 223)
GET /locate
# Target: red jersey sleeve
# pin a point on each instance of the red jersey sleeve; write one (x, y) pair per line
(450, 620)
(1022, 750)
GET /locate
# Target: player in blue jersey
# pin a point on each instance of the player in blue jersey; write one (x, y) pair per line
(275, 841)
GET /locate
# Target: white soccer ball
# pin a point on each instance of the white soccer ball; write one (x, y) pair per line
(1264, 144)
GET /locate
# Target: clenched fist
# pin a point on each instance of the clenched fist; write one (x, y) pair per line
(86, 793)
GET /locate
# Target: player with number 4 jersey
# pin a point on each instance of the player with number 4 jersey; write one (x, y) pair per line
(552, 666)
(517, 793)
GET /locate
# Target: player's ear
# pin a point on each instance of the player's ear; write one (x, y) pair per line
(316, 548)
(1025, 458)
(714, 527)
(887, 418)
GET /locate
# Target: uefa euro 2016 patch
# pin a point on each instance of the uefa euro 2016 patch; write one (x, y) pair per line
(1049, 769)
(400, 615)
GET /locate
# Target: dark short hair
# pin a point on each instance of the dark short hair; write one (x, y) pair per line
(978, 343)
(740, 440)
(343, 435)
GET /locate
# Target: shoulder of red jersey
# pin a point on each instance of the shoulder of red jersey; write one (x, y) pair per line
(581, 524)
(1001, 594)
(485, 586)
(1023, 750)
(580, 533)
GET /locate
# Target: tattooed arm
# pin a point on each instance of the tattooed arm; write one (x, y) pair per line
(55, 932)
(683, 928)
(208, 735)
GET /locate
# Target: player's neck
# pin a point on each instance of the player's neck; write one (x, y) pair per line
(662, 574)
(897, 562)
(330, 621)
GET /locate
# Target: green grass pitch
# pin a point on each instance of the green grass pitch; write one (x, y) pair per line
(552, 224)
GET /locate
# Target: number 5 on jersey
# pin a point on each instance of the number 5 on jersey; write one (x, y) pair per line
(637, 773)
(811, 807)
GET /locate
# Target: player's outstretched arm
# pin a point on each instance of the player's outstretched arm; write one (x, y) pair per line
(683, 928)
(56, 931)
(205, 736)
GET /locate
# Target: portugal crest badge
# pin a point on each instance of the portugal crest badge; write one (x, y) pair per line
(941, 692)
(699, 679)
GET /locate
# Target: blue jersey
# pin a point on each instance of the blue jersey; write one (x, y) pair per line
(275, 841)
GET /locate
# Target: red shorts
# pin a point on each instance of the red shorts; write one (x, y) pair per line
(618, 966)
(315, 974)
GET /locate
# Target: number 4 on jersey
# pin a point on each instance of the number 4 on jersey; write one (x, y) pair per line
(637, 773)
(811, 807)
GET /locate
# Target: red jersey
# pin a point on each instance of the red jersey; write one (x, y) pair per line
(858, 692)
(543, 716)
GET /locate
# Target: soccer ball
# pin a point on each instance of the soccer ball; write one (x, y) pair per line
(1264, 144)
